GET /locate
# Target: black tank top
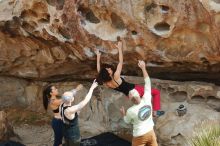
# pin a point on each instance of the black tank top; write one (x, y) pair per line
(73, 122)
(124, 87)
(55, 110)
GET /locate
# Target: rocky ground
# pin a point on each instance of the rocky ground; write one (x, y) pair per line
(33, 135)
(30, 128)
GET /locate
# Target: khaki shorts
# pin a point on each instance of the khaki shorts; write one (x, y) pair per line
(148, 139)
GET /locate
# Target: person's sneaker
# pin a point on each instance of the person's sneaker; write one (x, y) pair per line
(159, 113)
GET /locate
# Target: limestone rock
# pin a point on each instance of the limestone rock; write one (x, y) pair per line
(12, 92)
(53, 40)
(45, 41)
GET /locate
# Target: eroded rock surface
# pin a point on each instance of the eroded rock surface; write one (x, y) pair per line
(53, 39)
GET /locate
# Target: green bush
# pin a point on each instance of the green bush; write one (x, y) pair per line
(206, 134)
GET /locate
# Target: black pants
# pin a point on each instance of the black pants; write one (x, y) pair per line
(57, 128)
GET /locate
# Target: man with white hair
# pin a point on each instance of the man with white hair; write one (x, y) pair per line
(140, 114)
(69, 115)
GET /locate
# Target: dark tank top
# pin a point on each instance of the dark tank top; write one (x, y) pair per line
(73, 122)
(70, 127)
(124, 87)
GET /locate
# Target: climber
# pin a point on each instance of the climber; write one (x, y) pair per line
(111, 78)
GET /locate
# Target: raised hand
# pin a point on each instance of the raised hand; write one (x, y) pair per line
(141, 64)
(94, 85)
(119, 45)
(97, 52)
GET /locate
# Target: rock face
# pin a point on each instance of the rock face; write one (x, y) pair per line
(12, 92)
(102, 114)
(53, 39)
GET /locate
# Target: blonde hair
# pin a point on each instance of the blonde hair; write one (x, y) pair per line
(67, 97)
(133, 94)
